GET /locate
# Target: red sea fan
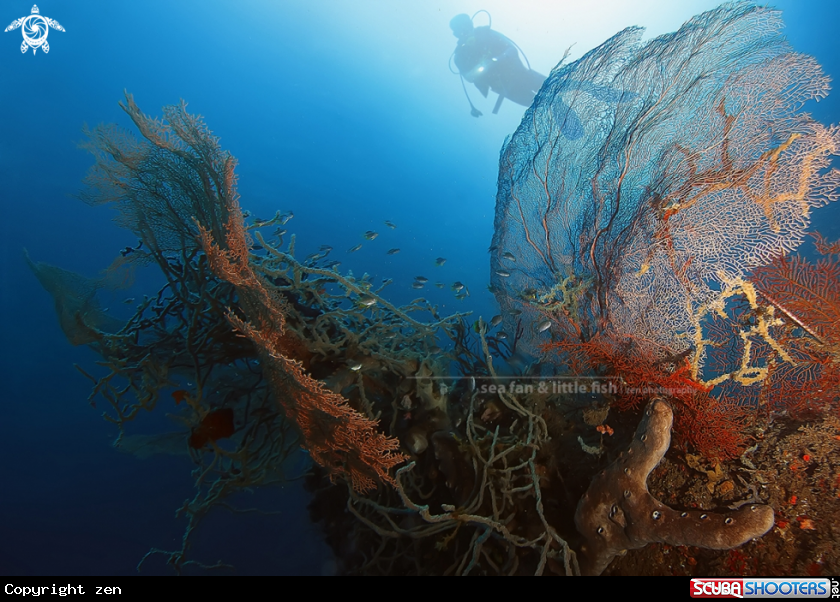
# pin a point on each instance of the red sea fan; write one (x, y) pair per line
(808, 293)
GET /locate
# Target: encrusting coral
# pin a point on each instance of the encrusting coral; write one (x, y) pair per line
(617, 513)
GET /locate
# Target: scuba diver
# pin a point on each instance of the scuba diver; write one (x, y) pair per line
(490, 60)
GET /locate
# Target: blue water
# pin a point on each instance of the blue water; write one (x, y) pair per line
(346, 114)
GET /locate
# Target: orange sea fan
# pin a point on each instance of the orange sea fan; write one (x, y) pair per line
(808, 293)
(338, 437)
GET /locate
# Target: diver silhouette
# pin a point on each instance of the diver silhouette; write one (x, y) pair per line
(490, 60)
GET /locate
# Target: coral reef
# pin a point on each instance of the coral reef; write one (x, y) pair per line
(337, 436)
(242, 344)
(483, 504)
(794, 467)
(618, 513)
(637, 240)
(651, 252)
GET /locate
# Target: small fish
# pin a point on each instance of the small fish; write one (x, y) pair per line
(129, 301)
(422, 279)
(354, 366)
(605, 429)
(325, 248)
(280, 231)
(493, 248)
(493, 289)
(354, 249)
(515, 312)
(440, 261)
(315, 256)
(440, 285)
(463, 295)
(370, 235)
(367, 300)
(503, 273)
(256, 247)
(393, 251)
(417, 285)
(509, 256)
(457, 286)
(435, 350)
(544, 325)
(529, 294)
(501, 335)
(283, 219)
(331, 264)
(390, 224)
(495, 321)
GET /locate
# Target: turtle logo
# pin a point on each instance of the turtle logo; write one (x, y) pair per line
(35, 29)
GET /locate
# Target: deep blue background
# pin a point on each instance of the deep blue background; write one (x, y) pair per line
(347, 116)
